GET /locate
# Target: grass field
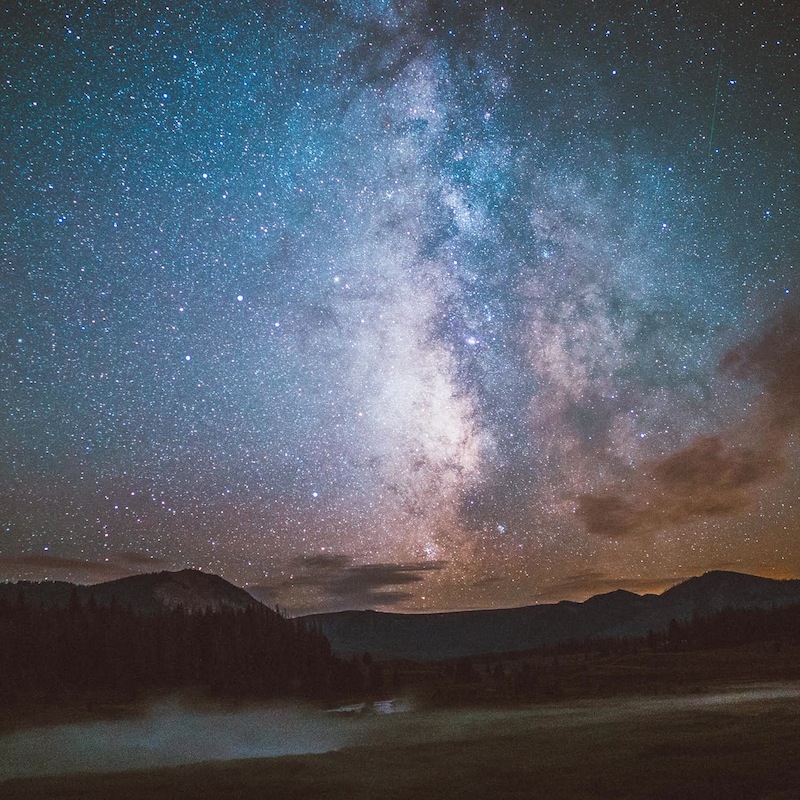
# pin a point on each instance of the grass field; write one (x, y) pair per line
(736, 743)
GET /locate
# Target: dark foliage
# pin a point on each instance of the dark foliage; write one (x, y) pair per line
(245, 652)
(732, 627)
(730, 645)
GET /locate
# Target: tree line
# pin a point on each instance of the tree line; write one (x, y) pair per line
(581, 666)
(88, 646)
(730, 627)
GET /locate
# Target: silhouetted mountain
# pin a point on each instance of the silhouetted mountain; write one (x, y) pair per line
(189, 588)
(615, 614)
(719, 590)
(437, 636)
(145, 594)
(164, 630)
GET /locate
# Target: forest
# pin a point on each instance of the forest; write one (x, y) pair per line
(87, 646)
(83, 647)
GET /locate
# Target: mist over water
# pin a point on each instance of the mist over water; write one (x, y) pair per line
(172, 733)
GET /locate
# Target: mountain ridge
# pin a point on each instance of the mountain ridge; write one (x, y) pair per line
(438, 636)
(618, 613)
(190, 589)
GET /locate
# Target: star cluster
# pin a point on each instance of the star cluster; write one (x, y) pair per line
(420, 304)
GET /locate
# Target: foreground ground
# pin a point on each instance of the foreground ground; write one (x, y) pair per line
(735, 743)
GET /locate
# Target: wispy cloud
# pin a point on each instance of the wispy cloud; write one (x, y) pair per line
(581, 585)
(718, 474)
(336, 581)
(40, 566)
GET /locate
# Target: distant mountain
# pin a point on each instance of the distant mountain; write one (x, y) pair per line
(438, 636)
(143, 633)
(718, 590)
(615, 614)
(191, 589)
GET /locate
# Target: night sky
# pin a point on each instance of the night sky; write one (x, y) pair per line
(402, 305)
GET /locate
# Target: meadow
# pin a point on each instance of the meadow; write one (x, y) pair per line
(737, 742)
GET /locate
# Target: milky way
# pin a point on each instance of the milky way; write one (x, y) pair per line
(420, 305)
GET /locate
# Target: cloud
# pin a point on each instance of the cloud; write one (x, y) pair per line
(707, 478)
(367, 584)
(324, 563)
(334, 580)
(364, 585)
(140, 559)
(774, 360)
(712, 477)
(41, 566)
(611, 515)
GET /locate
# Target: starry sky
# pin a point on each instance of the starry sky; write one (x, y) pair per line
(417, 305)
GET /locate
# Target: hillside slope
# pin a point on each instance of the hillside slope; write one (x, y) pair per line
(615, 614)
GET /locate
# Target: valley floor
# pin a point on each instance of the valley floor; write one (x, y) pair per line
(738, 742)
